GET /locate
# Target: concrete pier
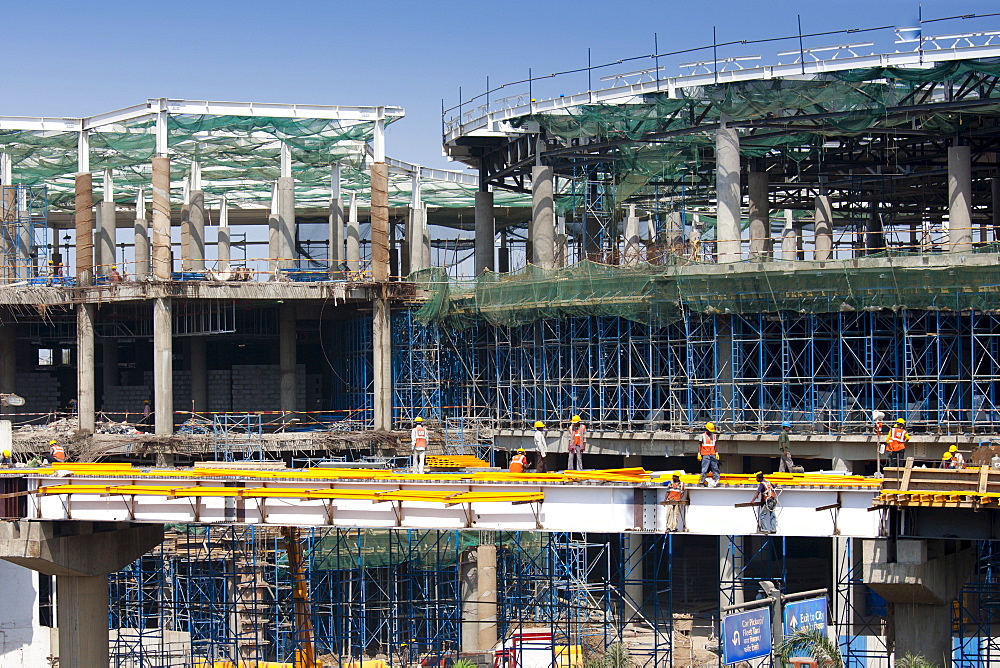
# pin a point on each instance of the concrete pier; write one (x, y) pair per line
(380, 221)
(727, 187)
(823, 229)
(382, 363)
(286, 356)
(196, 231)
(141, 268)
(83, 204)
(633, 244)
(486, 566)
(163, 367)
(759, 213)
(104, 237)
(162, 261)
(86, 370)
(223, 243)
(485, 232)
(960, 198)
(542, 231)
(419, 240)
(353, 236)
(286, 222)
(790, 237)
(335, 233)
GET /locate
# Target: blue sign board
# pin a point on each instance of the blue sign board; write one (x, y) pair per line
(809, 614)
(746, 635)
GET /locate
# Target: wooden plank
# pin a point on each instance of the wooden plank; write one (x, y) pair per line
(907, 471)
(984, 478)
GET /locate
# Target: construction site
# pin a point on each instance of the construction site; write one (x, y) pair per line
(230, 315)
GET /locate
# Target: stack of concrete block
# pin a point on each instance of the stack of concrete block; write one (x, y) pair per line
(314, 391)
(182, 388)
(40, 390)
(220, 393)
(125, 399)
(257, 387)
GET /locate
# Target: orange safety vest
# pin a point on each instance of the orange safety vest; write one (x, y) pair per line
(420, 440)
(768, 490)
(896, 440)
(57, 452)
(518, 463)
(676, 491)
(707, 445)
(576, 435)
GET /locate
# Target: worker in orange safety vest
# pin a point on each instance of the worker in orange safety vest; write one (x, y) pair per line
(706, 452)
(56, 453)
(519, 462)
(418, 441)
(895, 443)
(577, 443)
(675, 494)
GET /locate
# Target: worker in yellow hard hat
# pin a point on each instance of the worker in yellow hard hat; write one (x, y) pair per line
(577, 443)
(895, 443)
(957, 460)
(541, 447)
(56, 453)
(707, 453)
(518, 462)
(675, 498)
(6, 460)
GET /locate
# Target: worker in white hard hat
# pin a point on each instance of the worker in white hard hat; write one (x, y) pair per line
(541, 447)
(518, 462)
(418, 441)
(577, 443)
(707, 453)
(675, 499)
(895, 443)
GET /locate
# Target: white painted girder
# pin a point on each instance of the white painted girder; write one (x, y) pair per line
(594, 507)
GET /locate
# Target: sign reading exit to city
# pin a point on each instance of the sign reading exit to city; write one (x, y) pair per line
(805, 615)
(746, 635)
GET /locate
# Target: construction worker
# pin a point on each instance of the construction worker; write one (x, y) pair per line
(114, 276)
(146, 411)
(577, 443)
(6, 461)
(519, 462)
(767, 521)
(56, 453)
(786, 457)
(957, 459)
(541, 447)
(707, 454)
(895, 443)
(418, 441)
(675, 495)
(946, 460)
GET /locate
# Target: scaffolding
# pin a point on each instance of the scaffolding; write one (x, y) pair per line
(24, 243)
(238, 437)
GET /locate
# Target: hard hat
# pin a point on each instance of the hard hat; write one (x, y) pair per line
(677, 473)
(539, 424)
(710, 426)
(946, 456)
(520, 449)
(953, 448)
(786, 424)
(418, 419)
(900, 421)
(575, 418)
(6, 453)
(52, 442)
(877, 416)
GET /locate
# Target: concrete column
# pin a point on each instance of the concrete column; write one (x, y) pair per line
(336, 233)
(162, 264)
(106, 237)
(163, 367)
(101, 267)
(486, 563)
(727, 189)
(141, 238)
(380, 221)
(469, 593)
(196, 231)
(8, 362)
(675, 231)
(419, 239)
(109, 369)
(960, 198)
(286, 222)
(273, 232)
(485, 232)
(632, 252)
(542, 230)
(83, 204)
(198, 366)
(353, 236)
(760, 213)
(223, 245)
(85, 367)
(82, 620)
(789, 238)
(995, 206)
(382, 364)
(561, 258)
(286, 356)
(874, 236)
(823, 229)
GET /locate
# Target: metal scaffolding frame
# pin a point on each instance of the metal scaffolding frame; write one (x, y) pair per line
(24, 233)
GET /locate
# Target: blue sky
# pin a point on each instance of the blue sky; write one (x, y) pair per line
(72, 59)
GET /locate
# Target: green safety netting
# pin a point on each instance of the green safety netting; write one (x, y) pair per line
(239, 157)
(858, 98)
(659, 294)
